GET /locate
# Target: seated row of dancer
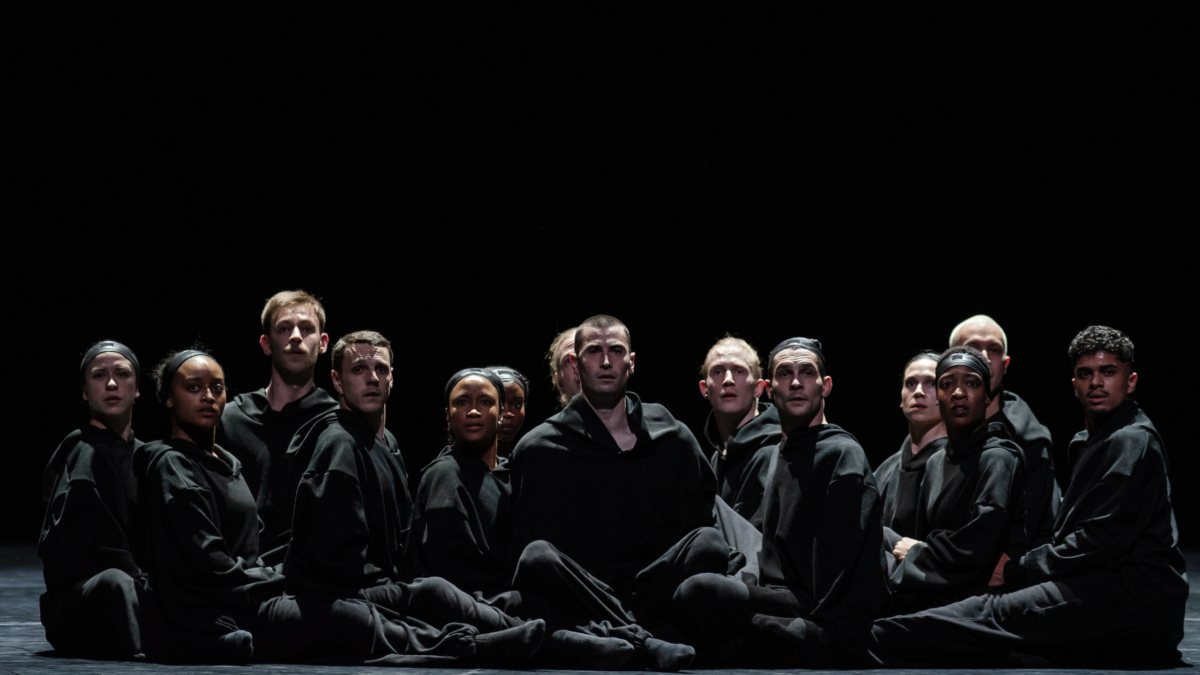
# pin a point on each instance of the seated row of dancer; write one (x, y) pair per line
(281, 528)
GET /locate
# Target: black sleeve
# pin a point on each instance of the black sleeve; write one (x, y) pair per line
(965, 557)
(1042, 494)
(840, 532)
(443, 541)
(80, 536)
(698, 485)
(1116, 508)
(330, 533)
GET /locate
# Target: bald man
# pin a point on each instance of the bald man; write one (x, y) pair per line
(1042, 494)
(741, 430)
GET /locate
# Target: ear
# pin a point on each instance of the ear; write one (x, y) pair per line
(447, 416)
(137, 393)
(324, 343)
(1006, 360)
(170, 401)
(632, 356)
(83, 392)
(573, 359)
(1132, 383)
(826, 387)
(759, 388)
(703, 389)
(265, 344)
(337, 381)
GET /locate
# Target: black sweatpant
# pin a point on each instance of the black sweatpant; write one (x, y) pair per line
(1084, 621)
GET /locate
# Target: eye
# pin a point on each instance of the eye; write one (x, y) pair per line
(218, 388)
(97, 375)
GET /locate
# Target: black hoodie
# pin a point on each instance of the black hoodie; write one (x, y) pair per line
(899, 479)
(201, 537)
(612, 512)
(352, 510)
(91, 522)
(461, 519)
(742, 471)
(970, 513)
(1042, 493)
(1116, 523)
(259, 437)
(821, 534)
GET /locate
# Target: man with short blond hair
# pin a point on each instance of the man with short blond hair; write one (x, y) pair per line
(257, 427)
(742, 431)
(562, 371)
(1042, 493)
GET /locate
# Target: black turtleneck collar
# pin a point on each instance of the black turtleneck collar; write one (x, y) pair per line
(975, 442)
(911, 462)
(1121, 416)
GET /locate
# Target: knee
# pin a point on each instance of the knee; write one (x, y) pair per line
(115, 584)
(708, 552)
(431, 591)
(538, 556)
(699, 592)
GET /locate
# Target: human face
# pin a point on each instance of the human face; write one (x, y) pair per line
(797, 387)
(987, 338)
(295, 341)
(962, 400)
(1102, 382)
(110, 385)
(473, 411)
(566, 380)
(918, 396)
(513, 416)
(604, 362)
(366, 378)
(729, 383)
(198, 394)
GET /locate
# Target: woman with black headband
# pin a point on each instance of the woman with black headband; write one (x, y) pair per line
(461, 532)
(899, 476)
(970, 511)
(94, 586)
(512, 411)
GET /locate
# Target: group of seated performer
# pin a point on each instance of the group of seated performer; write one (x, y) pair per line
(282, 528)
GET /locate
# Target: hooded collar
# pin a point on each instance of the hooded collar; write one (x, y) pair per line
(579, 419)
(976, 441)
(746, 438)
(911, 462)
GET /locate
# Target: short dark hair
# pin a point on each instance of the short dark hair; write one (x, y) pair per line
(359, 337)
(291, 299)
(923, 354)
(1101, 339)
(602, 321)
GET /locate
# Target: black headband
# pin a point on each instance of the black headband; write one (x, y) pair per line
(510, 375)
(485, 373)
(797, 343)
(103, 347)
(164, 386)
(975, 363)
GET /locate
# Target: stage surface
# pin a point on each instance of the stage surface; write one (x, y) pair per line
(24, 650)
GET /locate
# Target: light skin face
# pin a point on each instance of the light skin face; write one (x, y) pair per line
(962, 402)
(605, 363)
(566, 380)
(110, 388)
(197, 400)
(798, 389)
(730, 387)
(918, 402)
(294, 343)
(512, 418)
(473, 415)
(987, 338)
(365, 382)
(1102, 382)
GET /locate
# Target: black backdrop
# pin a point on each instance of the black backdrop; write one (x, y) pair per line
(470, 183)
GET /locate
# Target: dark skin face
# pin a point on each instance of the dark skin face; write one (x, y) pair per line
(1102, 382)
(962, 401)
(512, 415)
(473, 412)
(197, 400)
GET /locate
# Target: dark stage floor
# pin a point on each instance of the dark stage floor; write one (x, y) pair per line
(24, 650)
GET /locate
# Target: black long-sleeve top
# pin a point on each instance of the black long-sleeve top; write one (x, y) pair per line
(821, 534)
(742, 470)
(91, 522)
(971, 512)
(899, 479)
(1116, 522)
(201, 536)
(259, 437)
(461, 521)
(1042, 493)
(353, 508)
(612, 512)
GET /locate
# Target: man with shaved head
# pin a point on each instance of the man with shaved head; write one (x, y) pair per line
(822, 560)
(741, 431)
(618, 485)
(1042, 493)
